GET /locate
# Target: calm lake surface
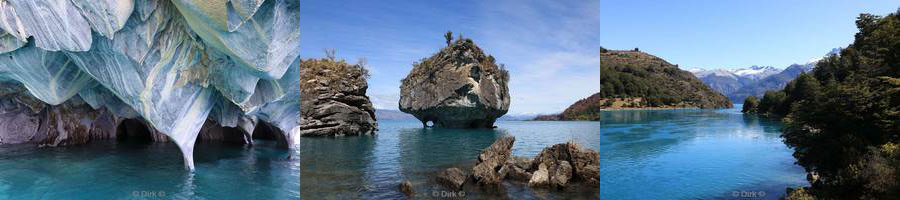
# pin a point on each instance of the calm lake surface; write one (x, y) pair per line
(683, 154)
(686, 154)
(110, 170)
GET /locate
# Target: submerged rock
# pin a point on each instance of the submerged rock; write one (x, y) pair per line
(172, 64)
(488, 169)
(458, 87)
(334, 101)
(452, 178)
(406, 188)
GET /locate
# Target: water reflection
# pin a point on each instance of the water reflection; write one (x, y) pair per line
(692, 154)
(428, 151)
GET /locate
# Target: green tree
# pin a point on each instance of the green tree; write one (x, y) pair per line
(750, 105)
(449, 37)
(843, 118)
(771, 102)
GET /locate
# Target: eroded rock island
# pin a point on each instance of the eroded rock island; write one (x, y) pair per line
(333, 100)
(458, 87)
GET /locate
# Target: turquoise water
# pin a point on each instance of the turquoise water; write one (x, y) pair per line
(126, 171)
(695, 154)
(688, 154)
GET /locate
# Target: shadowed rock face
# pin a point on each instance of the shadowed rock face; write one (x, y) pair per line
(458, 87)
(334, 101)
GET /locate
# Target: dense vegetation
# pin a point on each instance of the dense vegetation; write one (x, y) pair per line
(634, 74)
(750, 105)
(843, 118)
(336, 75)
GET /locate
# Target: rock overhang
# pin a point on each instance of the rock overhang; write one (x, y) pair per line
(173, 63)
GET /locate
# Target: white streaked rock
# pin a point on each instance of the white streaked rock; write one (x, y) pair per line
(232, 62)
(105, 16)
(54, 24)
(266, 45)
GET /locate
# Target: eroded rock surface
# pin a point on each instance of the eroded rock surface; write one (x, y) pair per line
(557, 166)
(568, 161)
(458, 87)
(172, 64)
(334, 101)
(488, 169)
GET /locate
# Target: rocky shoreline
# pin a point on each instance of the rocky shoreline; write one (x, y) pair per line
(556, 168)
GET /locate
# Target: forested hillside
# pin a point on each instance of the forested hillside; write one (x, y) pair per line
(635, 74)
(843, 118)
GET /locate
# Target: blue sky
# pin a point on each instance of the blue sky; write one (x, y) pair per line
(733, 34)
(551, 47)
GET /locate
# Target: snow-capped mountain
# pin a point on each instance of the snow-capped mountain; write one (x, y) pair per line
(756, 72)
(738, 84)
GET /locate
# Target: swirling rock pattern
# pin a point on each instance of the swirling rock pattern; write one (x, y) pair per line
(173, 64)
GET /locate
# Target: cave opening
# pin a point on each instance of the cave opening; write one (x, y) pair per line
(268, 132)
(133, 131)
(429, 123)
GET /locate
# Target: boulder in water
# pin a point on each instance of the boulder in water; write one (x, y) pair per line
(488, 168)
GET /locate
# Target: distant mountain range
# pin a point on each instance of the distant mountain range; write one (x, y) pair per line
(738, 84)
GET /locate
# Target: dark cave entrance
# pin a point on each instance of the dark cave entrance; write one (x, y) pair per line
(212, 132)
(133, 131)
(268, 132)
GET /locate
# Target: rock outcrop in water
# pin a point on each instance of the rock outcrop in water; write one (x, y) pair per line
(556, 166)
(488, 168)
(172, 64)
(569, 161)
(333, 100)
(458, 87)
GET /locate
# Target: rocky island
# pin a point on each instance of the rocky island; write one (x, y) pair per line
(73, 72)
(458, 87)
(333, 100)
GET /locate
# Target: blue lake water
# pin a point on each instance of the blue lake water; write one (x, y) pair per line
(108, 170)
(686, 154)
